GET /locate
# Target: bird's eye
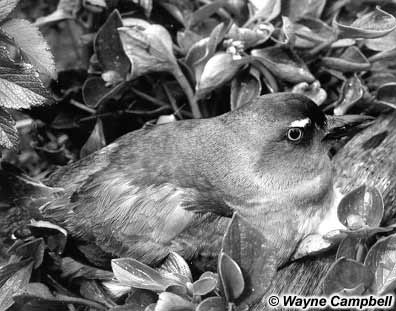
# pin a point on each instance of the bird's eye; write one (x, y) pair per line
(295, 134)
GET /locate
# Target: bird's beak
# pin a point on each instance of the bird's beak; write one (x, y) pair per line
(347, 125)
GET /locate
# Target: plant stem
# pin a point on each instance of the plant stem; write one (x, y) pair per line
(185, 85)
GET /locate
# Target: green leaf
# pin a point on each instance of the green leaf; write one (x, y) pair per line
(136, 274)
(72, 269)
(204, 286)
(351, 60)
(231, 277)
(8, 133)
(352, 248)
(172, 302)
(381, 259)
(284, 64)
(176, 265)
(29, 39)
(385, 43)
(245, 87)
(13, 284)
(265, 10)
(386, 94)
(296, 9)
(6, 6)
(95, 141)
(352, 91)
(346, 274)
(250, 37)
(212, 304)
(309, 32)
(111, 56)
(364, 202)
(30, 249)
(55, 236)
(374, 24)
(258, 262)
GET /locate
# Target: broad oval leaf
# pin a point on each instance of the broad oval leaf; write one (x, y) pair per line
(29, 39)
(381, 259)
(136, 274)
(112, 56)
(346, 274)
(386, 94)
(350, 61)
(176, 265)
(363, 202)
(284, 64)
(231, 277)
(204, 286)
(309, 32)
(374, 24)
(296, 9)
(385, 43)
(251, 37)
(245, 87)
(352, 247)
(252, 252)
(218, 70)
(352, 91)
(172, 302)
(212, 304)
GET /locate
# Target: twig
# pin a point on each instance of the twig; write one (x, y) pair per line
(82, 106)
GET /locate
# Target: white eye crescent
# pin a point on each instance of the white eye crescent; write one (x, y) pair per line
(295, 134)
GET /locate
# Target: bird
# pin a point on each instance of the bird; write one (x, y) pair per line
(175, 186)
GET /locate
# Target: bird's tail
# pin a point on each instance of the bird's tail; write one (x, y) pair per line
(20, 199)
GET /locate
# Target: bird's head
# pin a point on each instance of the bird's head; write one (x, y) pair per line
(287, 137)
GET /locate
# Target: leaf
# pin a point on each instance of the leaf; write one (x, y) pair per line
(346, 274)
(385, 43)
(251, 251)
(374, 24)
(245, 87)
(8, 132)
(6, 271)
(6, 6)
(204, 12)
(186, 39)
(149, 49)
(218, 70)
(352, 91)
(166, 119)
(136, 274)
(204, 286)
(172, 302)
(212, 304)
(66, 9)
(13, 284)
(95, 141)
(175, 264)
(284, 64)
(309, 32)
(112, 56)
(29, 39)
(313, 91)
(296, 9)
(350, 61)
(147, 6)
(381, 259)
(265, 10)
(30, 249)
(352, 248)
(92, 290)
(364, 202)
(231, 277)
(72, 269)
(250, 37)
(387, 94)
(55, 236)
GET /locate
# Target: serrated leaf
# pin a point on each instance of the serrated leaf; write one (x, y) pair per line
(13, 284)
(374, 24)
(6, 6)
(112, 56)
(381, 259)
(346, 274)
(29, 39)
(351, 60)
(136, 274)
(284, 64)
(8, 132)
(231, 277)
(364, 202)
